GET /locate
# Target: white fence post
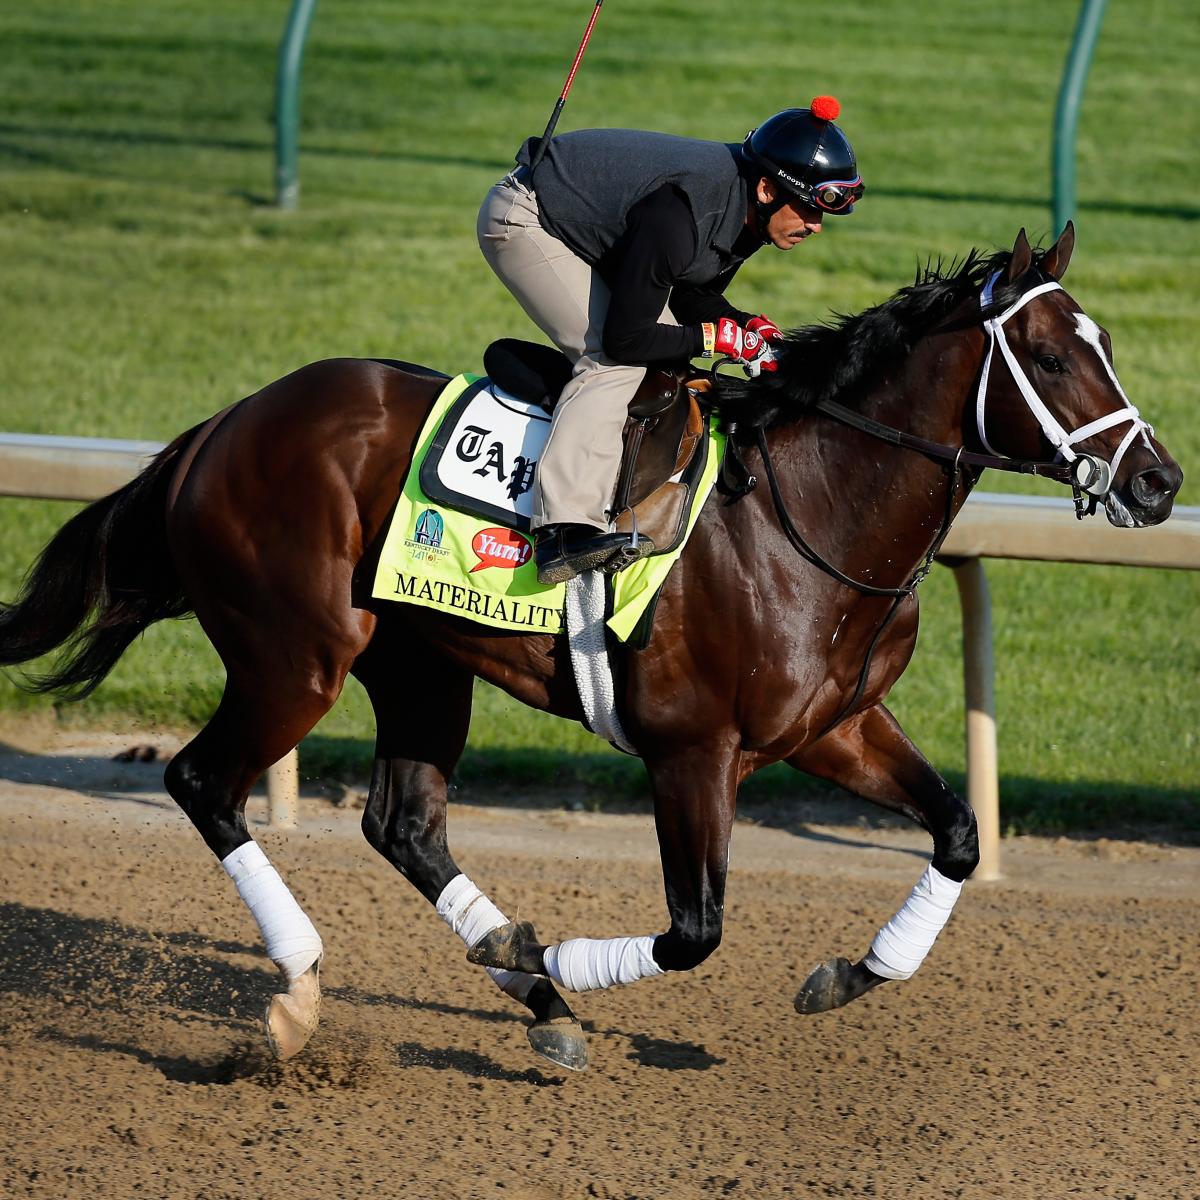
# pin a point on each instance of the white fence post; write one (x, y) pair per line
(983, 778)
(283, 792)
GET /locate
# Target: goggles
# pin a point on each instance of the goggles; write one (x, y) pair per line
(834, 195)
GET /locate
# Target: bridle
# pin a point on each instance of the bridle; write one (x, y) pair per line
(1087, 475)
(1085, 472)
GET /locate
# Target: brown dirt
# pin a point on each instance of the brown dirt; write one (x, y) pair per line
(1048, 1048)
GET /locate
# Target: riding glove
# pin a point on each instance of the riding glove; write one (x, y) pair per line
(743, 346)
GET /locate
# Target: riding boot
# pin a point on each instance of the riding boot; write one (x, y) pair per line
(564, 551)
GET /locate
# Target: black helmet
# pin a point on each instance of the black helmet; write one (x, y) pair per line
(803, 151)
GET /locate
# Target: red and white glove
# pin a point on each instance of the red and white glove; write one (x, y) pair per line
(766, 329)
(741, 345)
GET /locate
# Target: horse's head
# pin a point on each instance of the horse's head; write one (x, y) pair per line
(1047, 359)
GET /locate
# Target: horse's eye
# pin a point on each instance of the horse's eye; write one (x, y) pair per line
(1051, 365)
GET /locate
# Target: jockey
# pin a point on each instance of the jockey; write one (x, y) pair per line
(619, 245)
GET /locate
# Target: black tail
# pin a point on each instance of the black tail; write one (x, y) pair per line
(105, 577)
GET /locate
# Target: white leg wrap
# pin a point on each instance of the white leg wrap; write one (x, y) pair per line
(900, 946)
(472, 915)
(585, 964)
(293, 943)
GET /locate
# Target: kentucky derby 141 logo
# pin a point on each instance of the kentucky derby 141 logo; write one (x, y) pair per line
(426, 541)
(496, 547)
(430, 528)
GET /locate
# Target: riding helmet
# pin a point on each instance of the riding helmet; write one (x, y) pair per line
(803, 151)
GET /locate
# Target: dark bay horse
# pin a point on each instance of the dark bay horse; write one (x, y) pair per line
(778, 634)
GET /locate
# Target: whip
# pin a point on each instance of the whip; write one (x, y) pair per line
(562, 99)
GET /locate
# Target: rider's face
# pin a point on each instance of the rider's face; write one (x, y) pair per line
(789, 225)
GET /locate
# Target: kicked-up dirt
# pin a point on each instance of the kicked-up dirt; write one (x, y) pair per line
(1048, 1048)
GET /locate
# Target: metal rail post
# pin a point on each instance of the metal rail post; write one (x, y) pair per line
(1066, 116)
(287, 104)
(983, 788)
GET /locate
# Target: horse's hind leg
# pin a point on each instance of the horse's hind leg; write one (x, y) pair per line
(262, 715)
(870, 755)
(417, 746)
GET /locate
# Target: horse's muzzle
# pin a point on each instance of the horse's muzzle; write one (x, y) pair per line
(1147, 497)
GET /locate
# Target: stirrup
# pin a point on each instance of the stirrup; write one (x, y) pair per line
(639, 546)
(556, 565)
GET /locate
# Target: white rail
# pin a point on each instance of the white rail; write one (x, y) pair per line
(990, 526)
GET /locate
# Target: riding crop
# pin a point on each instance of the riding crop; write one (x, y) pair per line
(562, 99)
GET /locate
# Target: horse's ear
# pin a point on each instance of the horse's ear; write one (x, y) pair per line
(1022, 256)
(1056, 259)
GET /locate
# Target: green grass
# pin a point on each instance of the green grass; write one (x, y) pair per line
(148, 282)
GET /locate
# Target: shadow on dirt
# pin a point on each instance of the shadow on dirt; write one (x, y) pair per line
(468, 1062)
(246, 1063)
(780, 797)
(105, 969)
(671, 1056)
(337, 769)
(50, 954)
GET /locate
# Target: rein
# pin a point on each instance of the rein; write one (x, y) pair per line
(1059, 472)
(806, 551)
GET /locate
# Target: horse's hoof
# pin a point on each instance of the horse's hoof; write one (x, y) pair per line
(292, 1016)
(502, 947)
(825, 989)
(561, 1040)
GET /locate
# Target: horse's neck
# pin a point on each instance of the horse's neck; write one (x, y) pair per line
(928, 393)
(888, 501)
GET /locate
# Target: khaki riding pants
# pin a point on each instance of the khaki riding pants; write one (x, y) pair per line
(568, 301)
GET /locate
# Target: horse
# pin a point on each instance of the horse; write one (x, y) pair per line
(790, 614)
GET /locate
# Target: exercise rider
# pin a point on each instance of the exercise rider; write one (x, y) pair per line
(619, 245)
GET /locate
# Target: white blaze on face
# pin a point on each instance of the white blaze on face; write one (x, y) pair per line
(1090, 332)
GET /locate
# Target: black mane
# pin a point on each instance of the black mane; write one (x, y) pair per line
(842, 359)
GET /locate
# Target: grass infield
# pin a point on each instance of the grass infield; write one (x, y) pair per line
(148, 281)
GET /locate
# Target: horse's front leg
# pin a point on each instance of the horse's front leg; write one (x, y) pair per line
(870, 755)
(694, 798)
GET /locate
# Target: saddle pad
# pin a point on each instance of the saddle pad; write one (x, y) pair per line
(479, 563)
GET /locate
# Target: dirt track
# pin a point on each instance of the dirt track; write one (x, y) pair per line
(1048, 1048)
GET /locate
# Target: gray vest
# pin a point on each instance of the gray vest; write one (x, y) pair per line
(589, 180)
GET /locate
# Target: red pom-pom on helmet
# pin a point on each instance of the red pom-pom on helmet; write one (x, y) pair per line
(825, 108)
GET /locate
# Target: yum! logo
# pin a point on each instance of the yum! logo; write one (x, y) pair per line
(496, 547)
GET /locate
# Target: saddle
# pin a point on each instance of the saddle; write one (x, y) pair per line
(662, 434)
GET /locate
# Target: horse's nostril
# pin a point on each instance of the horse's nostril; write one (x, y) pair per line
(1152, 487)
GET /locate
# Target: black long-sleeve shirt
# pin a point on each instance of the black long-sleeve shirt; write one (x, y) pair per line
(641, 269)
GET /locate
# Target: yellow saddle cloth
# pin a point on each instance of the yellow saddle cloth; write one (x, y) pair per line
(477, 567)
